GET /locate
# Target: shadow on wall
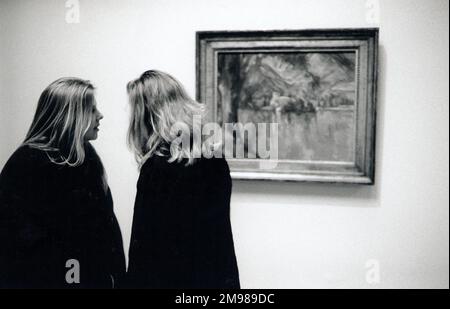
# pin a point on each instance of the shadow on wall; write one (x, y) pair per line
(339, 192)
(336, 192)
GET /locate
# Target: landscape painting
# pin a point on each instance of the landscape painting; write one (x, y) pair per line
(310, 95)
(315, 90)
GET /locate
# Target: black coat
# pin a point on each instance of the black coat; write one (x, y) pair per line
(181, 235)
(50, 214)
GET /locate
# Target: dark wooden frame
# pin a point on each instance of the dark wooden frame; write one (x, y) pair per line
(363, 41)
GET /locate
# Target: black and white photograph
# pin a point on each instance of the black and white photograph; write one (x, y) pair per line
(223, 152)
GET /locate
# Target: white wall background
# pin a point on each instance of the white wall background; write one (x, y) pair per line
(286, 235)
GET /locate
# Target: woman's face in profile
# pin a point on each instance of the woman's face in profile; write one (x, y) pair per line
(92, 132)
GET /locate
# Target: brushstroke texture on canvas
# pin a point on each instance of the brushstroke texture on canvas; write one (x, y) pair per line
(310, 95)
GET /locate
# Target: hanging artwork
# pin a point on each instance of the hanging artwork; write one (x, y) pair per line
(317, 86)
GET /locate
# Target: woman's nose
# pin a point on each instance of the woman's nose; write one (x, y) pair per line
(99, 116)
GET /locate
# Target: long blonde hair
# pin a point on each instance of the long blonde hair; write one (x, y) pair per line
(158, 103)
(62, 118)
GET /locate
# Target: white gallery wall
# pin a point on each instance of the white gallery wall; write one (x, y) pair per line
(287, 235)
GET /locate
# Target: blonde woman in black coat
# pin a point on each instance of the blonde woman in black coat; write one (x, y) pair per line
(57, 225)
(181, 235)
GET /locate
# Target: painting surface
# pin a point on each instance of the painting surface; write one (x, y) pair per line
(311, 95)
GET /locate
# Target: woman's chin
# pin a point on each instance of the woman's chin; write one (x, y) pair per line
(91, 137)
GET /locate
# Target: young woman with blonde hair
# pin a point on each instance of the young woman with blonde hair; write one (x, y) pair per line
(57, 225)
(181, 235)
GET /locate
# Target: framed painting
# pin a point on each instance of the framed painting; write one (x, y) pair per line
(316, 89)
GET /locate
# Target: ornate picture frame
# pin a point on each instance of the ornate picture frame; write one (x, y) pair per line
(318, 86)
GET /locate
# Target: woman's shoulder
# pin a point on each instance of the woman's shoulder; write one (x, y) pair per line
(28, 157)
(158, 172)
(164, 163)
(216, 163)
(161, 167)
(23, 164)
